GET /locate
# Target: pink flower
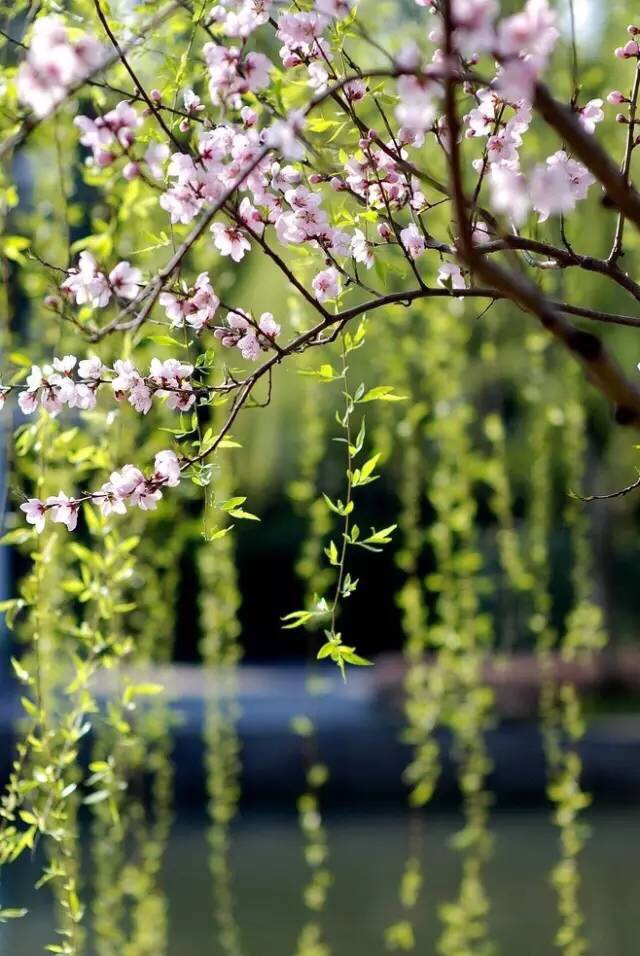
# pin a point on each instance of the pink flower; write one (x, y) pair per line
(450, 276)
(126, 481)
(284, 135)
(64, 510)
(616, 97)
(35, 513)
(192, 103)
(412, 240)
(109, 502)
(591, 114)
(629, 50)
(509, 192)
(140, 397)
(249, 215)
(53, 63)
(268, 326)
(326, 284)
(335, 8)
(155, 156)
(91, 368)
(87, 283)
(230, 241)
(125, 280)
(167, 467)
(558, 184)
(362, 249)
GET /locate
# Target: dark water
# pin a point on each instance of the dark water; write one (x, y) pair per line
(368, 853)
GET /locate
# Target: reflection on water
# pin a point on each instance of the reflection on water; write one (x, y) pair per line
(368, 854)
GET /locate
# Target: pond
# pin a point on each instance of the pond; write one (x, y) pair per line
(368, 853)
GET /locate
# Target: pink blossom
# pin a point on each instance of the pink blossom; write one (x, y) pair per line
(337, 9)
(558, 184)
(532, 32)
(64, 510)
(284, 135)
(591, 114)
(412, 240)
(91, 368)
(126, 481)
(268, 326)
(361, 249)
(450, 276)
(509, 192)
(250, 217)
(629, 50)
(140, 397)
(35, 513)
(109, 502)
(196, 307)
(326, 284)
(125, 280)
(155, 155)
(230, 241)
(239, 18)
(87, 283)
(416, 110)
(167, 467)
(53, 64)
(474, 25)
(192, 103)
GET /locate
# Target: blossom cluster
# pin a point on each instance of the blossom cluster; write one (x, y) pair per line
(56, 60)
(125, 487)
(248, 336)
(67, 382)
(89, 285)
(114, 135)
(194, 307)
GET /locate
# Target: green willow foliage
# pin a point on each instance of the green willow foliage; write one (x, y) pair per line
(421, 400)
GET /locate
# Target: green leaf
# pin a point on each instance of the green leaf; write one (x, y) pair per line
(164, 340)
(97, 797)
(382, 393)
(12, 914)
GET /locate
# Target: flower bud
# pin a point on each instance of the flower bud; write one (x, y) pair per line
(633, 29)
(155, 95)
(131, 171)
(184, 125)
(103, 157)
(52, 302)
(621, 118)
(336, 184)
(615, 97)
(315, 178)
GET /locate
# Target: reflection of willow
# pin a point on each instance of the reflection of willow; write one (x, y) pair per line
(219, 604)
(131, 765)
(316, 577)
(562, 723)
